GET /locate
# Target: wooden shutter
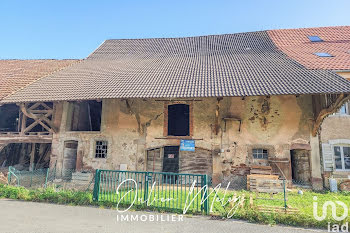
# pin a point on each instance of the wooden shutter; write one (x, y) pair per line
(327, 153)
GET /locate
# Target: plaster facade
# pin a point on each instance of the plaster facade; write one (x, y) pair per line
(225, 132)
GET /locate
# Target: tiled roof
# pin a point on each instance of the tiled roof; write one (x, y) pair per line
(296, 44)
(242, 64)
(17, 74)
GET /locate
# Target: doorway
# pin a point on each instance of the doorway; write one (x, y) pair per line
(69, 159)
(171, 163)
(301, 169)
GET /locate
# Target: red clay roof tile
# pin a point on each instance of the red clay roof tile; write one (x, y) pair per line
(296, 44)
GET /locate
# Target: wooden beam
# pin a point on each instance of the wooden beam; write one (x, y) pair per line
(25, 139)
(34, 106)
(42, 116)
(45, 106)
(327, 111)
(36, 111)
(217, 116)
(32, 154)
(23, 123)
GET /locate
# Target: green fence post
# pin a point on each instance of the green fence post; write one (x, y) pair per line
(12, 173)
(9, 175)
(96, 185)
(146, 187)
(284, 194)
(206, 197)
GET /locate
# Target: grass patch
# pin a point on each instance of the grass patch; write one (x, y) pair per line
(304, 203)
(49, 195)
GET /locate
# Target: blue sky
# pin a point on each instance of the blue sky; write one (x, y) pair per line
(73, 29)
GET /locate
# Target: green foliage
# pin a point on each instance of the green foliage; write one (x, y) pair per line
(222, 205)
(46, 195)
(303, 203)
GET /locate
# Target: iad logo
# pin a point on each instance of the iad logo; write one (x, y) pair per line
(334, 210)
(335, 227)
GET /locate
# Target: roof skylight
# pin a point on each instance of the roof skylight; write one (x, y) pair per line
(323, 54)
(315, 38)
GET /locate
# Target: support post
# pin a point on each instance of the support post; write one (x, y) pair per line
(316, 178)
(23, 124)
(32, 154)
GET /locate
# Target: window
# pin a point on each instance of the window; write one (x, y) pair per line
(315, 39)
(179, 120)
(344, 109)
(260, 154)
(101, 149)
(323, 54)
(342, 157)
(84, 116)
(9, 119)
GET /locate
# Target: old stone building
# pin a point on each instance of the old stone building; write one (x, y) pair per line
(137, 133)
(213, 104)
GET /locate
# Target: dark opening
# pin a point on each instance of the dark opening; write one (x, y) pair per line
(19, 155)
(9, 118)
(179, 120)
(86, 116)
(292, 162)
(301, 169)
(171, 163)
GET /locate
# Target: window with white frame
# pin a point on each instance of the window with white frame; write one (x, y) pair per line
(260, 154)
(344, 110)
(101, 149)
(342, 157)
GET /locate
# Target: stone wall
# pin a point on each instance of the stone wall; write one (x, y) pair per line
(134, 126)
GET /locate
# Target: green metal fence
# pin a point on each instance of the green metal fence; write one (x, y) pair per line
(153, 189)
